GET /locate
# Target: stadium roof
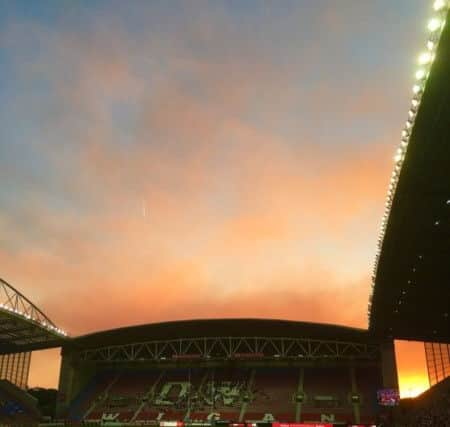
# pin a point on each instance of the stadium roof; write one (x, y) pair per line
(23, 327)
(219, 328)
(411, 296)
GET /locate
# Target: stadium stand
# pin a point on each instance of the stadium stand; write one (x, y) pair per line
(170, 394)
(16, 405)
(124, 395)
(91, 396)
(327, 390)
(116, 393)
(235, 393)
(297, 372)
(273, 392)
(430, 409)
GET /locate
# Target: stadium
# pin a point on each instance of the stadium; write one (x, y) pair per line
(264, 372)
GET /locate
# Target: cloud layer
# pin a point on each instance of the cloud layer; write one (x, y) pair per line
(207, 163)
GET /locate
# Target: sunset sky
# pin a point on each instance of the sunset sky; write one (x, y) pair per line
(165, 160)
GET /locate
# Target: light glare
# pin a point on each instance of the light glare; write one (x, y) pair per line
(434, 24)
(438, 5)
(397, 158)
(424, 58)
(420, 74)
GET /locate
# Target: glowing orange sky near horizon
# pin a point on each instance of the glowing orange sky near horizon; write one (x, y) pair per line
(226, 159)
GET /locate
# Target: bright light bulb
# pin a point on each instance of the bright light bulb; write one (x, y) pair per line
(424, 58)
(414, 102)
(420, 74)
(430, 45)
(416, 89)
(438, 4)
(434, 24)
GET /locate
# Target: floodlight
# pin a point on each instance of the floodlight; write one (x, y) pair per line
(424, 58)
(420, 74)
(434, 24)
(439, 4)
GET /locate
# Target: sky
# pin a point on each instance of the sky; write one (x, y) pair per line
(200, 159)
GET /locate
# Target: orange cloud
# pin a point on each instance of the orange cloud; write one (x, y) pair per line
(185, 204)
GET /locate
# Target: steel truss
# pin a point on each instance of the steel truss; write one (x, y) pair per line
(13, 301)
(23, 327)
(244, 348)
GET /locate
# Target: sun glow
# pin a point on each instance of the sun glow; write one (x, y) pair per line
(412, 370)
(412, 386)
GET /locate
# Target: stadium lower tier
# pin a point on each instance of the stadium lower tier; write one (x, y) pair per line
(271, 394)
(432, 408)
(16, 406)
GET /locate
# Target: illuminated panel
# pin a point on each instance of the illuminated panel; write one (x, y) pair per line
(388, 397)
(438, 361)
(15, 368)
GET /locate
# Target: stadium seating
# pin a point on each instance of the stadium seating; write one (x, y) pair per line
(227, 385)
(229, 393)
(327, 391)
(327, 388)
(124, 395)
(91, 395)
(274, 389)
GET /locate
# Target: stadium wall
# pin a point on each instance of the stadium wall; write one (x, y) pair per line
(389, 364)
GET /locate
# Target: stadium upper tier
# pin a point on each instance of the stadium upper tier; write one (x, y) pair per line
(23, 327)
(411, 297)
(223, 339)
